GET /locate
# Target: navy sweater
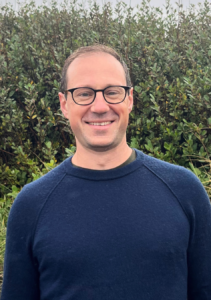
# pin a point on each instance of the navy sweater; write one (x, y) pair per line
(139, 232)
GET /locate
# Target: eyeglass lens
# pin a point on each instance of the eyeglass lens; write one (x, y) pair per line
(113, 94)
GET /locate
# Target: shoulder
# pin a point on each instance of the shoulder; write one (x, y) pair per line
(167, 170)
(173, 175)
(186, 187)
(33, 196)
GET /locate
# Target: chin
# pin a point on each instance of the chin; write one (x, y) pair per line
(102, 144)
(101, 148)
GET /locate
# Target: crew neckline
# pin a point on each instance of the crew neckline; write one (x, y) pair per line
(104, 174)
(131, 158)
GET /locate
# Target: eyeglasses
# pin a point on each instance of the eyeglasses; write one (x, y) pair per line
(111, 94)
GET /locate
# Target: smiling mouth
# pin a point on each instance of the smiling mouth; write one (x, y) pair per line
(100, 123)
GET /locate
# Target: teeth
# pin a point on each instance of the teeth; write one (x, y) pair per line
(100, 124)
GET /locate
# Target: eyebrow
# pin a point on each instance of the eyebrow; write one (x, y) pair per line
(89, 86)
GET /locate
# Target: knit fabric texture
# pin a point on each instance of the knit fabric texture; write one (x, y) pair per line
(142, 231)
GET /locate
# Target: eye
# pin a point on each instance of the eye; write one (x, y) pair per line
(83, 93)
(111, 93)
(114, 91)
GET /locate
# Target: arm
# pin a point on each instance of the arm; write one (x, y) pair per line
(199, 252)
(20, 272)
(195, 203)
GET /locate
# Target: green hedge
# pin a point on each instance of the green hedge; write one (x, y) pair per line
(169, 59)
(169, 56)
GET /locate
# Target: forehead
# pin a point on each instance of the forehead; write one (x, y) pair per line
(96, 70)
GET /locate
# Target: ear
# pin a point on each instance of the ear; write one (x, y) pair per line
(63, 104)
(130, 100)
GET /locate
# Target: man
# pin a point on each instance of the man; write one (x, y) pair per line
(109, 222)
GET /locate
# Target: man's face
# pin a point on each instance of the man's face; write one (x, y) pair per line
(97, 71)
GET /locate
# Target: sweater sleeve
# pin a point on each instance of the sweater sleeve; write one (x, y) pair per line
(195, 203)
(21, 276)
(20, 272)
(199, 251)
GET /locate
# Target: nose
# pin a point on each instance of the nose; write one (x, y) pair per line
(99, 105)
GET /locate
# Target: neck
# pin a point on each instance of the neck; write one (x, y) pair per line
(89, 159)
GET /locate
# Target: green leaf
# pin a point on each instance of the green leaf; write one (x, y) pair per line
(48, 144)
(134, 143)
(11, 93)
(166, 146)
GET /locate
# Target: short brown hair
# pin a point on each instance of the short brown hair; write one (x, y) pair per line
(91, 49)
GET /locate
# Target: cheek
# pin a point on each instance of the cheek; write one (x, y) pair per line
(72, 119)
(129, 105)
(124, 112)
(75, 115)
(74, 124)
(70, 115)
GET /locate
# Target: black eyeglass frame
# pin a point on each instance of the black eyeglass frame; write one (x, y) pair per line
(127, 88)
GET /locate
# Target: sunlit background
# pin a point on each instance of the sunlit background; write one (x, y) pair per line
(133, 3)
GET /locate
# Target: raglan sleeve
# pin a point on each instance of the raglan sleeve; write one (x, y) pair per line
(199, 250)
(20, 280)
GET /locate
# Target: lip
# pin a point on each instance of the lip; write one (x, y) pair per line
(98, 121)
(99, 127)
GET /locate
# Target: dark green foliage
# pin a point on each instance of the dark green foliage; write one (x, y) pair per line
(169, 60)
(169, 57)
